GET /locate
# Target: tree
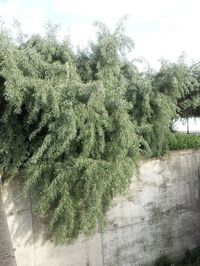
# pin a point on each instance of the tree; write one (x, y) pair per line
(73, 126)
(71, 142)
(158, 98)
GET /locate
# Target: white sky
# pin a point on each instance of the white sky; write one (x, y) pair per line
(194, 125)
(159, 28)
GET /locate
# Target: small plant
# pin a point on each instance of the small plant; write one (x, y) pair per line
(164, 261)
(192, 258)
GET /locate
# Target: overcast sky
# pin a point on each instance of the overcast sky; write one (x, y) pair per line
(159, 28)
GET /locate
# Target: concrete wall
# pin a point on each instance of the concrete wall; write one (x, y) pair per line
(159, 214)
(7, 257)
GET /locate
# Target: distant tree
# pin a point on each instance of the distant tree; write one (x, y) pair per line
(188, 104)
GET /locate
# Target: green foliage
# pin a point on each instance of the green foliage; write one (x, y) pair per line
(73, 143)
(180, 141)
(154, 100)
(188, 104)
(73, 126)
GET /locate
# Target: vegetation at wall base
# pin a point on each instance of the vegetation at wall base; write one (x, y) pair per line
(73, 125)
(192, 258)
(181, 141)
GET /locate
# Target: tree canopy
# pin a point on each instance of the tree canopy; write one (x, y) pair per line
(74, 124)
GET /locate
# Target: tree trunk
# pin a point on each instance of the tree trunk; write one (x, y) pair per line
(7, 257)
(188, 131)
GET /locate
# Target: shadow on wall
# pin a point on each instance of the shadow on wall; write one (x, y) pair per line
(31, 240)
(25, 228)
(7, 257)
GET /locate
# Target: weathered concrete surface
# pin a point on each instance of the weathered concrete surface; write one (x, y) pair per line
(19, 219)
(30, 237)
(7, 257)
(159, 214)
